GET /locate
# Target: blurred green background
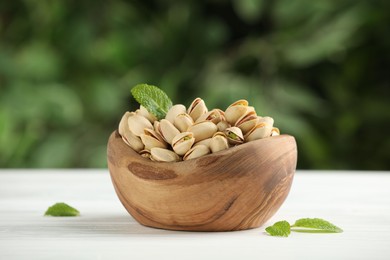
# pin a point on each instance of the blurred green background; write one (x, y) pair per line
(320, 68)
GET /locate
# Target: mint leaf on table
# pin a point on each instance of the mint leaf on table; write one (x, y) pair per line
(153, 99)
(280, 229)
(315, 225)
(62, 210)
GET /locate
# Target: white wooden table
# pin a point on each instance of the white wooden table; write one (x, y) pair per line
(358, 202)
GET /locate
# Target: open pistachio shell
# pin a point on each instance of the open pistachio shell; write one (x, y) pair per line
(151, 138)
(167, 130)
(234, 135)
(275, 131)
(197, 108)
(203, 130)
(248, 125)
(218, 142)
(156, 126)
(123, 124)
(214, 116)
(196, 151)
(261, 130)
(205, 142)
(266, 119)
(145, 153)
(183, 121)
(183, 142)
(247, 121)
(138, 123)
(223, 125)
(142, 111)
(174, 111)
(163, 155)
(133, 141)
(237, 110)
(127, 136)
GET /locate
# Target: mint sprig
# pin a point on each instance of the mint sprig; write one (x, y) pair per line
(306, 225)
(62, 210)
(280, 229)
(315, 225)
(153, 99)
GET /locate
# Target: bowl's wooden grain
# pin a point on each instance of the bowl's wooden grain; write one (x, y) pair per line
(238, 188)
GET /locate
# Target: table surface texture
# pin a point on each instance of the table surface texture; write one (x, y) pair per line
(358, 202)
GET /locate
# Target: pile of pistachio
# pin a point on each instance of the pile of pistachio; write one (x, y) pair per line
(185, 134)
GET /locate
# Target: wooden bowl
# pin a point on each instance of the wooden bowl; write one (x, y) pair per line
(235, 189)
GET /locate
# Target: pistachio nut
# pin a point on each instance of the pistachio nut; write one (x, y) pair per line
(237, 110)
(215, 116)
(196, 151)
(123, 124)
(266, 119)
(197, 108)
(145, 153)
(151, 138)
(142, 111)
(275, 131)
(222, 126)
(167, 130)
(138, 123)
(203, 130)
(183, 121)
(183, 142)
(234, 135)
(163, 155)
(205, 142)
(174, 111)
(261, 130)
(218, 142)
(247, 121)
(127, 136)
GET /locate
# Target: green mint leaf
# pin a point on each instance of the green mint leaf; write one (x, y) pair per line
(153, 99)
(315, 225)
(62, 210)
(280, 229)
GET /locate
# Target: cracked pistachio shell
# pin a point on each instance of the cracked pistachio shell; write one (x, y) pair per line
(218, 142)
(138, 123)
(205, 142)
(156, 126)
(222, 126)
(237, 110)
(196, 151)
(266, 119)
(197, 108)
(248, 125)
(247, 121)
(275, 131)
(183, 142)
(174, 111)
(145, 153)
(203, 130)
(127, 136)
(142, 111)
(163, 155)
(167, 130)
(261, 130)
(214, 116)
(123, 124)
(234, 135)
(151, 138)
(183, 121)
